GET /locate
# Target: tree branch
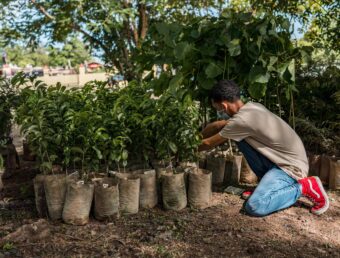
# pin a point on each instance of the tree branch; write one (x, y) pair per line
(135, 33)
(74, 26)
(42, 10)
(143, 23)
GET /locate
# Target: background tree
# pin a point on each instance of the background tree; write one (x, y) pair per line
(323, 15)
(115, 29)
(73, 51)
(22, 56)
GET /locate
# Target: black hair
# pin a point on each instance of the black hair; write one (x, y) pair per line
(225, 90)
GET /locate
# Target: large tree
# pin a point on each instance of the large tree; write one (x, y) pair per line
(116, 29)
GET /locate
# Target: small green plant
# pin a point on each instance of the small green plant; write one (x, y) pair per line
(136, 109)
(97, 127)
(8, 246)
(163, 251)
(41, 118)
(177, 131)
(9, 99)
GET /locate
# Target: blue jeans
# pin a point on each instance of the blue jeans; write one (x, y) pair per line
(276, 189)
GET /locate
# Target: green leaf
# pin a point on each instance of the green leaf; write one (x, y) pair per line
(182, 49)
(282, 68)
(46, 166)
(173, 147)
(262, 28)
(306, 58)
(125, 155)
(176, 81)
(169, 41)
(98, 152)
(234, 47)
(272, 61)
(206, 84)
(195, 34)
(291, 70)
(257, 90)
(258, 75)
(162, 28)
(213, 70)
(259, 41)
(77, 149)
(285, 24)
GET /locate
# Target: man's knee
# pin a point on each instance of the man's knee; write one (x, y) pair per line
(257, 207)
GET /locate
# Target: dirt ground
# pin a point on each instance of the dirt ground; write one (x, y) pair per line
(222, 230)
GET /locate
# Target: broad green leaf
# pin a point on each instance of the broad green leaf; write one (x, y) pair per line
(234, 47)
(282, 68)
(213, 70)
(257, 90)
(176, 81)
(162, 28)
(258, 75)
(306, 58)
(159, 85)
(208, 50)
(169, 41)
(272, 61)
(206, 84)
(182, 49)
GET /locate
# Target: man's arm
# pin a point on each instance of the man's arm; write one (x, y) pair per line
(211, 142)
(213, 128)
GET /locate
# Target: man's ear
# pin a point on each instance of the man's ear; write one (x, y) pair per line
(224, 104)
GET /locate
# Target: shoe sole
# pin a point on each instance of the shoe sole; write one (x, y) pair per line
(325, 208)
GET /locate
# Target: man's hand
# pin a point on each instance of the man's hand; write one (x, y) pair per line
(211, 142)
(213, 128)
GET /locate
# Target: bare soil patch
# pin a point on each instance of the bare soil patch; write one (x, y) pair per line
(222, 230)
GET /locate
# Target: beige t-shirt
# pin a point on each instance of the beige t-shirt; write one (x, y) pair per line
(269, 135)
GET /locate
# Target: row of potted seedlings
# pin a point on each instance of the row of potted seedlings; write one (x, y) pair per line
(97, 129)
(65, 197)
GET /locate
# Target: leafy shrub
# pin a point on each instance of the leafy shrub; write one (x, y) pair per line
(98, 126)
(177, 128)
(9, 99)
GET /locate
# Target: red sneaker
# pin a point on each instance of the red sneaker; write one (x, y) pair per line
(246, 194)
(312, 188)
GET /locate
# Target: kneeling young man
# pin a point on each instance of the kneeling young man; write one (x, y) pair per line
(272, 148)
